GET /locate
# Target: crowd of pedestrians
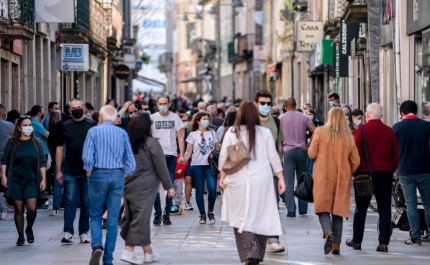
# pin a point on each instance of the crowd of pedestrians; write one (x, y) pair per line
(120, 165)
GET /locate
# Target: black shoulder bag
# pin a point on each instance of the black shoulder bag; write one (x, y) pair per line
(364, 183)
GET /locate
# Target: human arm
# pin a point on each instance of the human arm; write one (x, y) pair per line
(5, 161)
(354, 159)
(88, 153)
(311, 127)
(130, 162)
(124, 108)
(3, 176)
(187, 154)
(42, 163)
(38, 128)
(223, 175)
(43, 181)
(180, 134)
(58, 162)
(314, 145)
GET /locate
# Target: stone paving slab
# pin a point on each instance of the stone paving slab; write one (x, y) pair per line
(188, 242)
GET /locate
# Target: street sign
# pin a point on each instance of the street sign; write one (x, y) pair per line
(122, 71)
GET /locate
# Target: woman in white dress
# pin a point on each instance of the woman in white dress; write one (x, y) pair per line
(249, 200)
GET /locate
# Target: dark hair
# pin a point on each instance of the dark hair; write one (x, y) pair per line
(112, 99)
(12, 115)
(248, 116)
(194, 125)
(89, 106)
(95, 116)
(139, 130)
(334, 95)
(35, 109)
(346, 106)
(313, 112)
(426, 112)
(357, 112)
(408, 107)
(66, 109)
(51, 104)
(262, 94)
(230, 119)
(16, 133)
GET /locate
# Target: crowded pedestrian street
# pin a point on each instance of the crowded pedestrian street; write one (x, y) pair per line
(188, 242)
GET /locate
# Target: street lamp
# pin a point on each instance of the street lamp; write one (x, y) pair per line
(238, 5)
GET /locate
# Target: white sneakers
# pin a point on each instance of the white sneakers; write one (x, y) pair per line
(274, 248)
(53, 213)
(85, 238)
(151, 257)
(130, 258)
(3, 216)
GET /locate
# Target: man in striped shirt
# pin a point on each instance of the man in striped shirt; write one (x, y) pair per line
(108, 159)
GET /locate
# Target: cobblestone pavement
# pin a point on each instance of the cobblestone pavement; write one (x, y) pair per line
(188, 242)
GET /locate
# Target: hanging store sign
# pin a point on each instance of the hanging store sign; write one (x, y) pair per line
(130, 60)
(340, 63)
(260, 52)
(74, 57)
(54, 11)
(122, 71)
(323, 53)
(347, 33)
(309, 33)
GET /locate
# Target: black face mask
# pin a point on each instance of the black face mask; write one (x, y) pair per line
(77, 113)
(219, 110)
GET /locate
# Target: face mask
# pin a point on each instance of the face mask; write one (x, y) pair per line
(131, 115)
(346, 113)
(205, 123)
(88, 115)
(27, 130)
(311, 117)
(331, 103)
(219, 110)
(264, 110)
(163, 109)
(357, 123)
(186, 124)
(77, 113)
(57, 110)
(201, 110)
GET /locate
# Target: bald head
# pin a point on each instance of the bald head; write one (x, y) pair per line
(107, 113)
(374, 111)
(211, 109)
(290, 103)
(201, 106)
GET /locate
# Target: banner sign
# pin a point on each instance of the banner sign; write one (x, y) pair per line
(347, 33)
(309, 33)
(74, 57)
(340, 63)
(54, 11)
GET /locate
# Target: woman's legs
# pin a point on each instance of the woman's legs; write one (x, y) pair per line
(325, 222)
(250, 245)
(188, 188)
(211, 185)
(31, 205)
(197, 172)
(19, 217)
(337, 228)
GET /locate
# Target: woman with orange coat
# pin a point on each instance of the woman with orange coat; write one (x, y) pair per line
(336, 159)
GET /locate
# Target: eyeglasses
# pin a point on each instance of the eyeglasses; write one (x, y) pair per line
(203, 137)
(163, 96)
(25, 117)
(265, 103)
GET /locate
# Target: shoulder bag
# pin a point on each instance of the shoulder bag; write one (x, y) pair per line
(364, 183)
(213, 162)
(238, 156)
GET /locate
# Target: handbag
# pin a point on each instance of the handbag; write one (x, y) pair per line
(364, 183)
(213, 162)
(304, 191)
(238, 156)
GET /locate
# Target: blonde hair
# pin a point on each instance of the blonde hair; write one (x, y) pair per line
(336, 127)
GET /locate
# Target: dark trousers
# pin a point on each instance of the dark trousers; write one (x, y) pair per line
(382, 185)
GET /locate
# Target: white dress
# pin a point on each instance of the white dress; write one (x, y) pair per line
(249, 201)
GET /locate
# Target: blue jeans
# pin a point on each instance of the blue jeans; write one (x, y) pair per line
(58, 192)
(76, 189)
(410, 183)
(199, 175)
(105, 188)
(295, 164)
(171, 166)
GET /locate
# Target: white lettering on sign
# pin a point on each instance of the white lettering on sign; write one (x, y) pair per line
(344, 39)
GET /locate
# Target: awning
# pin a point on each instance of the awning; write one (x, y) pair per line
(191, 79)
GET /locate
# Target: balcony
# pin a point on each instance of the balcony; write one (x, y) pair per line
(356, 12)
(335, 12)
(113, 25)
(240, 48)
(97, 23)
(16, 20)
(79, 31)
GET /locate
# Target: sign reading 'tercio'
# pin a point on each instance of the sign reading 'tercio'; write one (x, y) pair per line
(122, 71)
(309, 33)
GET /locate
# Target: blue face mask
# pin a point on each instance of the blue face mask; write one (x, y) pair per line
(311, 117)
(163, 109)
(264, 110)
(346, 113)
(205, 123)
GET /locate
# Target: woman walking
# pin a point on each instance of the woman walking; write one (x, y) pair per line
(200, 143)
(336, 159)
(249, 202)
(141, 188)
(23, 167)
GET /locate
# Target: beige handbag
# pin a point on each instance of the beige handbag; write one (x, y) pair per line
(238, 156)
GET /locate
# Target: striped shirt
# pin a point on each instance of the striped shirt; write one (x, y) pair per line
(108, 147)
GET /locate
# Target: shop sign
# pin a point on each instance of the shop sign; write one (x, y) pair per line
(59, 11)
(130, 60)
(340, 63)
(347, 33)
(309, 33)
(122, 71)
(74, 57)
(17, 47)
(260, 52)
(94, 64)
(323, 53)
(271, 68)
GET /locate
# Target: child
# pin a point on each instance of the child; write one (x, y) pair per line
(179, 186)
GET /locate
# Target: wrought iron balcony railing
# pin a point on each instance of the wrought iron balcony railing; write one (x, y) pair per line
(82, 17)
(18, 12)
(98, 22)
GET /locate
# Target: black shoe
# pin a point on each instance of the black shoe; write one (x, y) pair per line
(30, 235)
(104, 224)
(382, 248)
(20, 241)
(218, 193)
(353, 245)
(166, 220)
(291, 215)
(157, 220)
(202, 219)
(96, 255)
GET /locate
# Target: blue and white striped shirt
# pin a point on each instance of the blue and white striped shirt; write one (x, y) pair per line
(108, 146)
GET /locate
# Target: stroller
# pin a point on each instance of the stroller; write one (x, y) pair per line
(400, 218)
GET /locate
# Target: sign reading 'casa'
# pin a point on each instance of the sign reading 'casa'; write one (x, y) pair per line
(122, 71)
(309, 33)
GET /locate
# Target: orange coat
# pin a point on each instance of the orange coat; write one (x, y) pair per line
(332, 172)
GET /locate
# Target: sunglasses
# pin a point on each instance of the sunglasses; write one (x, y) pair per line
(203, 137)
(265, 103)
(163, 96)
(25, 117)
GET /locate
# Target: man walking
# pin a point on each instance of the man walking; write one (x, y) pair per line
(41, 133)
(166, 126)
(413, 136)
(294, 125)
(217, 121)
(107, 159)
(72, 135)
(52, 106)
(384, 159)
(6, 131)
(263, 101)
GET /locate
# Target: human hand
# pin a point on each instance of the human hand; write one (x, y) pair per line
(221, 183)
(181, 160)
(59, 177)
(4, 181)
(88, 174)
(127, 104)
(211, 155)
(125, 175)
(42, 185)
(179, 171)
(171, 193)
(281, 186)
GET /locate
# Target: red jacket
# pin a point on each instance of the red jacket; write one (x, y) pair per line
(382, 145)
(180, 167)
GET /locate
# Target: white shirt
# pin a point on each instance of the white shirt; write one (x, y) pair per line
(202, 148)
(164, 129)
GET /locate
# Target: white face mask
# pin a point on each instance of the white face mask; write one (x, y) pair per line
(357, 123)
(27, 130)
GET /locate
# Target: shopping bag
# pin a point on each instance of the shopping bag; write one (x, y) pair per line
(304, 188)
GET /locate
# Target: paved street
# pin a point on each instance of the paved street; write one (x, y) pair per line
(188, 242)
